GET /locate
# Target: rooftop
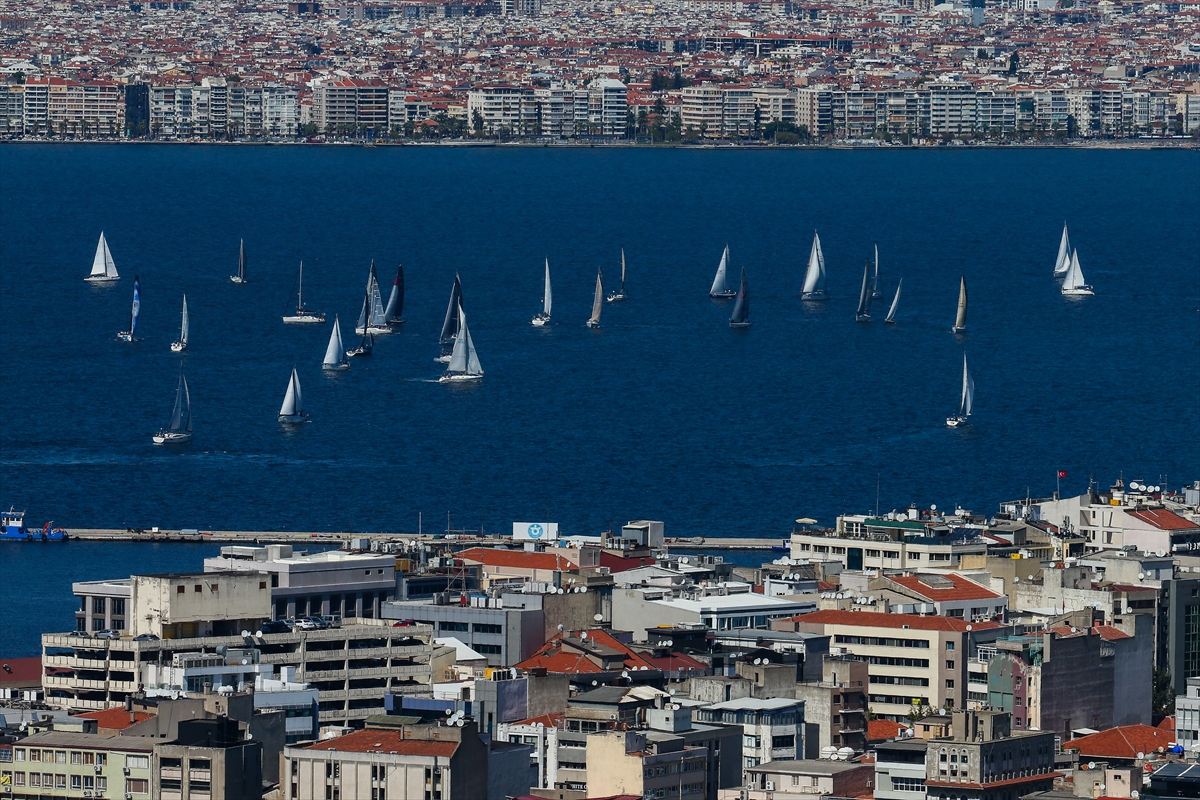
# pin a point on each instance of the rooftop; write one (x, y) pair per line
(90, 741)
(116, 718)
(946, 587)
(872, 619)
(807, 767)
(390, 742)
(1126, 741)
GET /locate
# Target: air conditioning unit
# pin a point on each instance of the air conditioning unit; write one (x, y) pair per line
(98, 769)
(126, 770)
(87, 792)
(129, 796)
(770, 786)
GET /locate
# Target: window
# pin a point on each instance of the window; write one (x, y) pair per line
(102, 783)
(485, 628)
(214, 587)
(949, 665)
(783, 741)
(454, 626)
(98, 605)
(949, 684)
(137, 762)
(274, 579)
(262, 584)
(18, 779)
(60, 756)
(76, 782)
(199, 588)
(60, 781)
(102, 759)
(35, 755)
(487, 649)
(949, 646)
(179, 590)
(137, 786)
(118, 606)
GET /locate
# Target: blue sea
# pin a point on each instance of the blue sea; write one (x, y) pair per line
(662, 413)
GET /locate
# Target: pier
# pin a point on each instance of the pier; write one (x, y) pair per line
(453, 539)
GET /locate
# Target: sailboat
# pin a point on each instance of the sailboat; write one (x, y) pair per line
(719, 289)
(1073, 283)
(292, 409)
(304, 315)
(597, 304)
(364, 348)
(104, 269)
(814, 276)
(241, 273)
(543, 319)
(890, 319)
(464, 362)
(373, 318)
(335, 353)
(127, 336)
(1063, 262)
(968, 399)
(619, 295)
(179, 430)
(181, 343)
(394, 313)
(450, 324)
(875, 293)
(863, 313)
(960, 319)
(740, 318)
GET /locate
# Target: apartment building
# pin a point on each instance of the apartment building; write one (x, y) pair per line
(644, 765)
(835, 707)
(64, 105)
(948, 594)
(912, 660)
(721, 607)
(608, 106)
(739, 111)
(62, 764)
(394, 760)
(802, 780)
(775, 105)
(900, 770)
(332, 582)
(12, 108)
(984, 759)
(864, 542)
(1121, 518)
(220, 107)
(702, 109)
(491, 108)
(506, 629)
(772, 728)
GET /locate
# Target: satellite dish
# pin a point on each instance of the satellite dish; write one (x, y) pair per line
(1092, 764)
(541, 724)
(1156, 488)
(942, 711)
(1030, 577)
(594, 683)
(932, 507)
(583, 635)
(1134, 485)
(968, 627)
(249, 736)
(1135, 794)
(1141, 576)
(449, 712)
(258, 634)
(461, 722)
(671, 692)
(1016, 579)
(1128, 609)
(245, 634)
(625, 674)
(670, 642)
(583, 590)
(560, 627)
(598, 617)
(1140, 756)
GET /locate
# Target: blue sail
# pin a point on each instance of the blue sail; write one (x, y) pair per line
(137, 306)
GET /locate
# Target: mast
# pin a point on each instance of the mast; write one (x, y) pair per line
(547, 298)
(1074, 277)
(718, 285)
(242, 259)
(293, 404)
(181, 415)
(300, 294)
(741, 306)
(960, 319)
(378, 317)
(597, 300)
(891, 315)
(363, 315)
(622, 290)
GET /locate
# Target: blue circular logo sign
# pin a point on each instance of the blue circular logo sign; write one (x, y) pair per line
(535, 531)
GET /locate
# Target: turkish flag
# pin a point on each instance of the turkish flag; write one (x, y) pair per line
(1062, 473)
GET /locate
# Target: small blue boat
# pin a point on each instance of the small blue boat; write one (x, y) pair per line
(12, 529)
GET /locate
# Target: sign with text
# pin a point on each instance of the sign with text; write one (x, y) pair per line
(535, 531)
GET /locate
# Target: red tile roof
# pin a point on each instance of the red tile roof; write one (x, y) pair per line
(1164, 520)
(387, 742)
(1123, 742)
(963, 589)
(548, 720)
(564, 658)
(873, 619)
(1110, 634)
(880, 730)
(21, 672)
(519, 559)
(1167, 724)
(115, 718)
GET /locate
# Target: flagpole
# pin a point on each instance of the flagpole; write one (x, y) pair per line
(1057, 482)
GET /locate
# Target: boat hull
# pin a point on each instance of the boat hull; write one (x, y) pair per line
(592, 324)
(166, 437)
(957, 329)
(358, 351)
(890, 321)
(739, 324)
(101, 279)
(335, 367)
(293, 419)
(305, 319)
(178, 347)
(619, 297)
(397, 321)
(125, 336)
(443, 359)
(955, 422)
(820, 294)
(862, 317)
(373, 329)
(236, 279)
(540, 321)
(722, 295)
(1082, 291)
(460, 377)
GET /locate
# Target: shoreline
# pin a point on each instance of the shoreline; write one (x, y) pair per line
(1106, 144)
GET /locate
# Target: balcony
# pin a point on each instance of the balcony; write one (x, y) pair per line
(171, 773)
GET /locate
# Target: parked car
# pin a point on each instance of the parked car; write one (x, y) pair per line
(306, 624)
(276, 626)
(146, 637)
(108, 634)
(332, 620)
(83, 634)
(318, 621)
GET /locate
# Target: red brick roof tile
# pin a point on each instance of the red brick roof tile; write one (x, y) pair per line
(519, 559)
(115, 718)
(1164, 520)
(1123, 742)
(386, 741)
(963, 589)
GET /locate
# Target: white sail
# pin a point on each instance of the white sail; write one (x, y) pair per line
(1074, 276)
(718, 286)
(968, 391)
(597, 301)
(875, 293)
(463, 358)
(103, 265)
(891, 315)
(546, 296)
(622, 268)
(1063, 262)
(960, 319)
(864, 295)
(814, 277)
(293, 404)
(334, 351)
(473, 365)
(183, 327)
(364, 315)
(378, 317)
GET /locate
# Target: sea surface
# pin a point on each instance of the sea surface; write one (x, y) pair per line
(663, 413)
